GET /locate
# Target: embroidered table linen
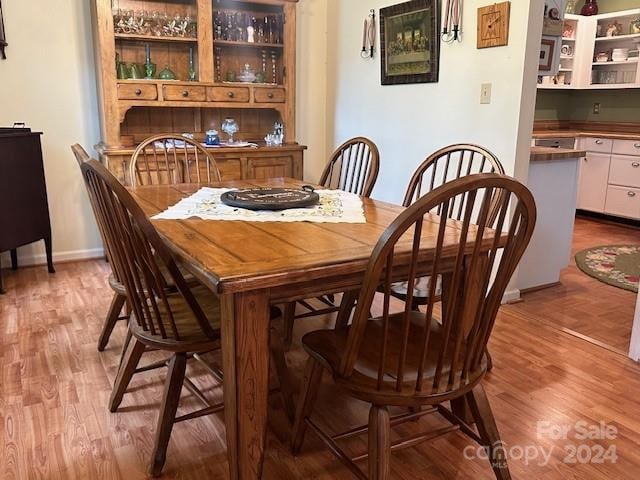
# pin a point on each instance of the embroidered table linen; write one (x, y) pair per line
(335, 206)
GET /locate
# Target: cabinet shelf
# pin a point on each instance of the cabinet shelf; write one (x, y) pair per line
(153, 38)
(618, 37)
(230, 43)
(624, 62)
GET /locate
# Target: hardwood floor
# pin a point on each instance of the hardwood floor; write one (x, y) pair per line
(584, 304)
(56, 386)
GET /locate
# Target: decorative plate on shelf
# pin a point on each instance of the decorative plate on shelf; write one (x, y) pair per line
(271, 198)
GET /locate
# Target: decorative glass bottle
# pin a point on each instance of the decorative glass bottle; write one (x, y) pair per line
(590, 8)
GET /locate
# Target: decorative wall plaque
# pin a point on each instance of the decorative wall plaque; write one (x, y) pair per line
(493, 25)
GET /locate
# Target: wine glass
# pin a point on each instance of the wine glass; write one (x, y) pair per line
(230, 127)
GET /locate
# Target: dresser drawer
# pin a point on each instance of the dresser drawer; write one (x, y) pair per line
(137, 91)
(597, 144)
(184, 93)
(625, 171)
(269, 95)
(626, 147)
(228, 94)
(623, 202)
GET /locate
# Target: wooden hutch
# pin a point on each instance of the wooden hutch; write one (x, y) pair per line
(220, 44)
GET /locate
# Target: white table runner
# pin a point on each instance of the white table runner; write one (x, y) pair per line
(335, 206)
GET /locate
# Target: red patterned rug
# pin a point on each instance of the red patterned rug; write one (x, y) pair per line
(617, 265)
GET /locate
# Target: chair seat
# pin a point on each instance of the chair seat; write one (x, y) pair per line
(327, 346)
(118, 287)
(186, 323)
(420, 289)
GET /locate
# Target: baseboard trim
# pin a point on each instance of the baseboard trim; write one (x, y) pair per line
(30, 260)
(511, 296)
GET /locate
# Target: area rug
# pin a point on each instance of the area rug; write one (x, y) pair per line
(617, 265)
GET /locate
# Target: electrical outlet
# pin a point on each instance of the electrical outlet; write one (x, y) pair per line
(485, 93)
(596, 108)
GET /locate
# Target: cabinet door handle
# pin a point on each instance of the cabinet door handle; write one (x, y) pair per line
(231, 94)
(636, 145)
(185, 93)
(635, 164)
(270, 95)
(599, 142)
(631, 194)
(138, 92)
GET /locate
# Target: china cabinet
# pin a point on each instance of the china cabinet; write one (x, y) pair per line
(599, 52)
(208, 46)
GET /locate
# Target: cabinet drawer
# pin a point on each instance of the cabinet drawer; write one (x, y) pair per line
(184, 93)
(228, 94)
(269, 95)
(626, 147)
(625, 171)
(597, 144)
(137, 91)
(623, 202)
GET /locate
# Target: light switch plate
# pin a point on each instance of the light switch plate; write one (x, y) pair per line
(485, 93)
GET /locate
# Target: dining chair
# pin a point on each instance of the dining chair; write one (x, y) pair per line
(447, 164)
(116, 285)
(167, 313)
(172, 159)
(353, 168)
(409, 358)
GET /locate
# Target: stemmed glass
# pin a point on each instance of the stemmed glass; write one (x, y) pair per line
(230, 127)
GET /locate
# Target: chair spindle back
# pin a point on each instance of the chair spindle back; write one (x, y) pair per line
(450, 163)
(172, 159)
(353, 167)
(139, 255)
(468, 316)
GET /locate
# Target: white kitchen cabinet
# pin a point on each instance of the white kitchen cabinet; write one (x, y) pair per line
(623, 202)
(625, 171)
(593, 183)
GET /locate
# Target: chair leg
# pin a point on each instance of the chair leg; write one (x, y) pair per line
(308, 394)
(168, 409)
(379, 443)
(112, 318)
(288, 318)
(284, 380)
(488, 430)
(489, 361)
(128, 367)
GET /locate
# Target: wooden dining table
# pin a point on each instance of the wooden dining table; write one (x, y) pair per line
(252, 266)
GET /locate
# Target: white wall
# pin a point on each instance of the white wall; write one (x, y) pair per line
(410, 121)
(49, 83)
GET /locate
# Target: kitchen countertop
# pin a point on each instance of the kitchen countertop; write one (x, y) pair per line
(584, 133)
(543, 154)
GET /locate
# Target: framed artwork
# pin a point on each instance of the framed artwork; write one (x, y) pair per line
(3, 39)
(547, 50)
(410, 42)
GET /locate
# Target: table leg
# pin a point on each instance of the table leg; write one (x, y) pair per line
(245, 351)
(47, 247)
(14, 259)
(1, 284)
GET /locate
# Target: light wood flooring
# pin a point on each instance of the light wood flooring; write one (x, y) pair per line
(582, 303)
(55, 386)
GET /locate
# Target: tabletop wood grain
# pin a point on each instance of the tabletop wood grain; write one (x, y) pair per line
(233, 256)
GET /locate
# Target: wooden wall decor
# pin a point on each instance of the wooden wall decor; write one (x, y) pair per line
(3, 37)
(493, 25)
(410, 42)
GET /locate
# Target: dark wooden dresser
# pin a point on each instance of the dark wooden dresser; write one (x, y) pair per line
(24, 212)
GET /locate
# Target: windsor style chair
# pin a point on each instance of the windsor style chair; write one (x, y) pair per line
(354, 168)
(447, 164)
(411, 358)
(172, 159)
(167, 313)
(119, 292)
